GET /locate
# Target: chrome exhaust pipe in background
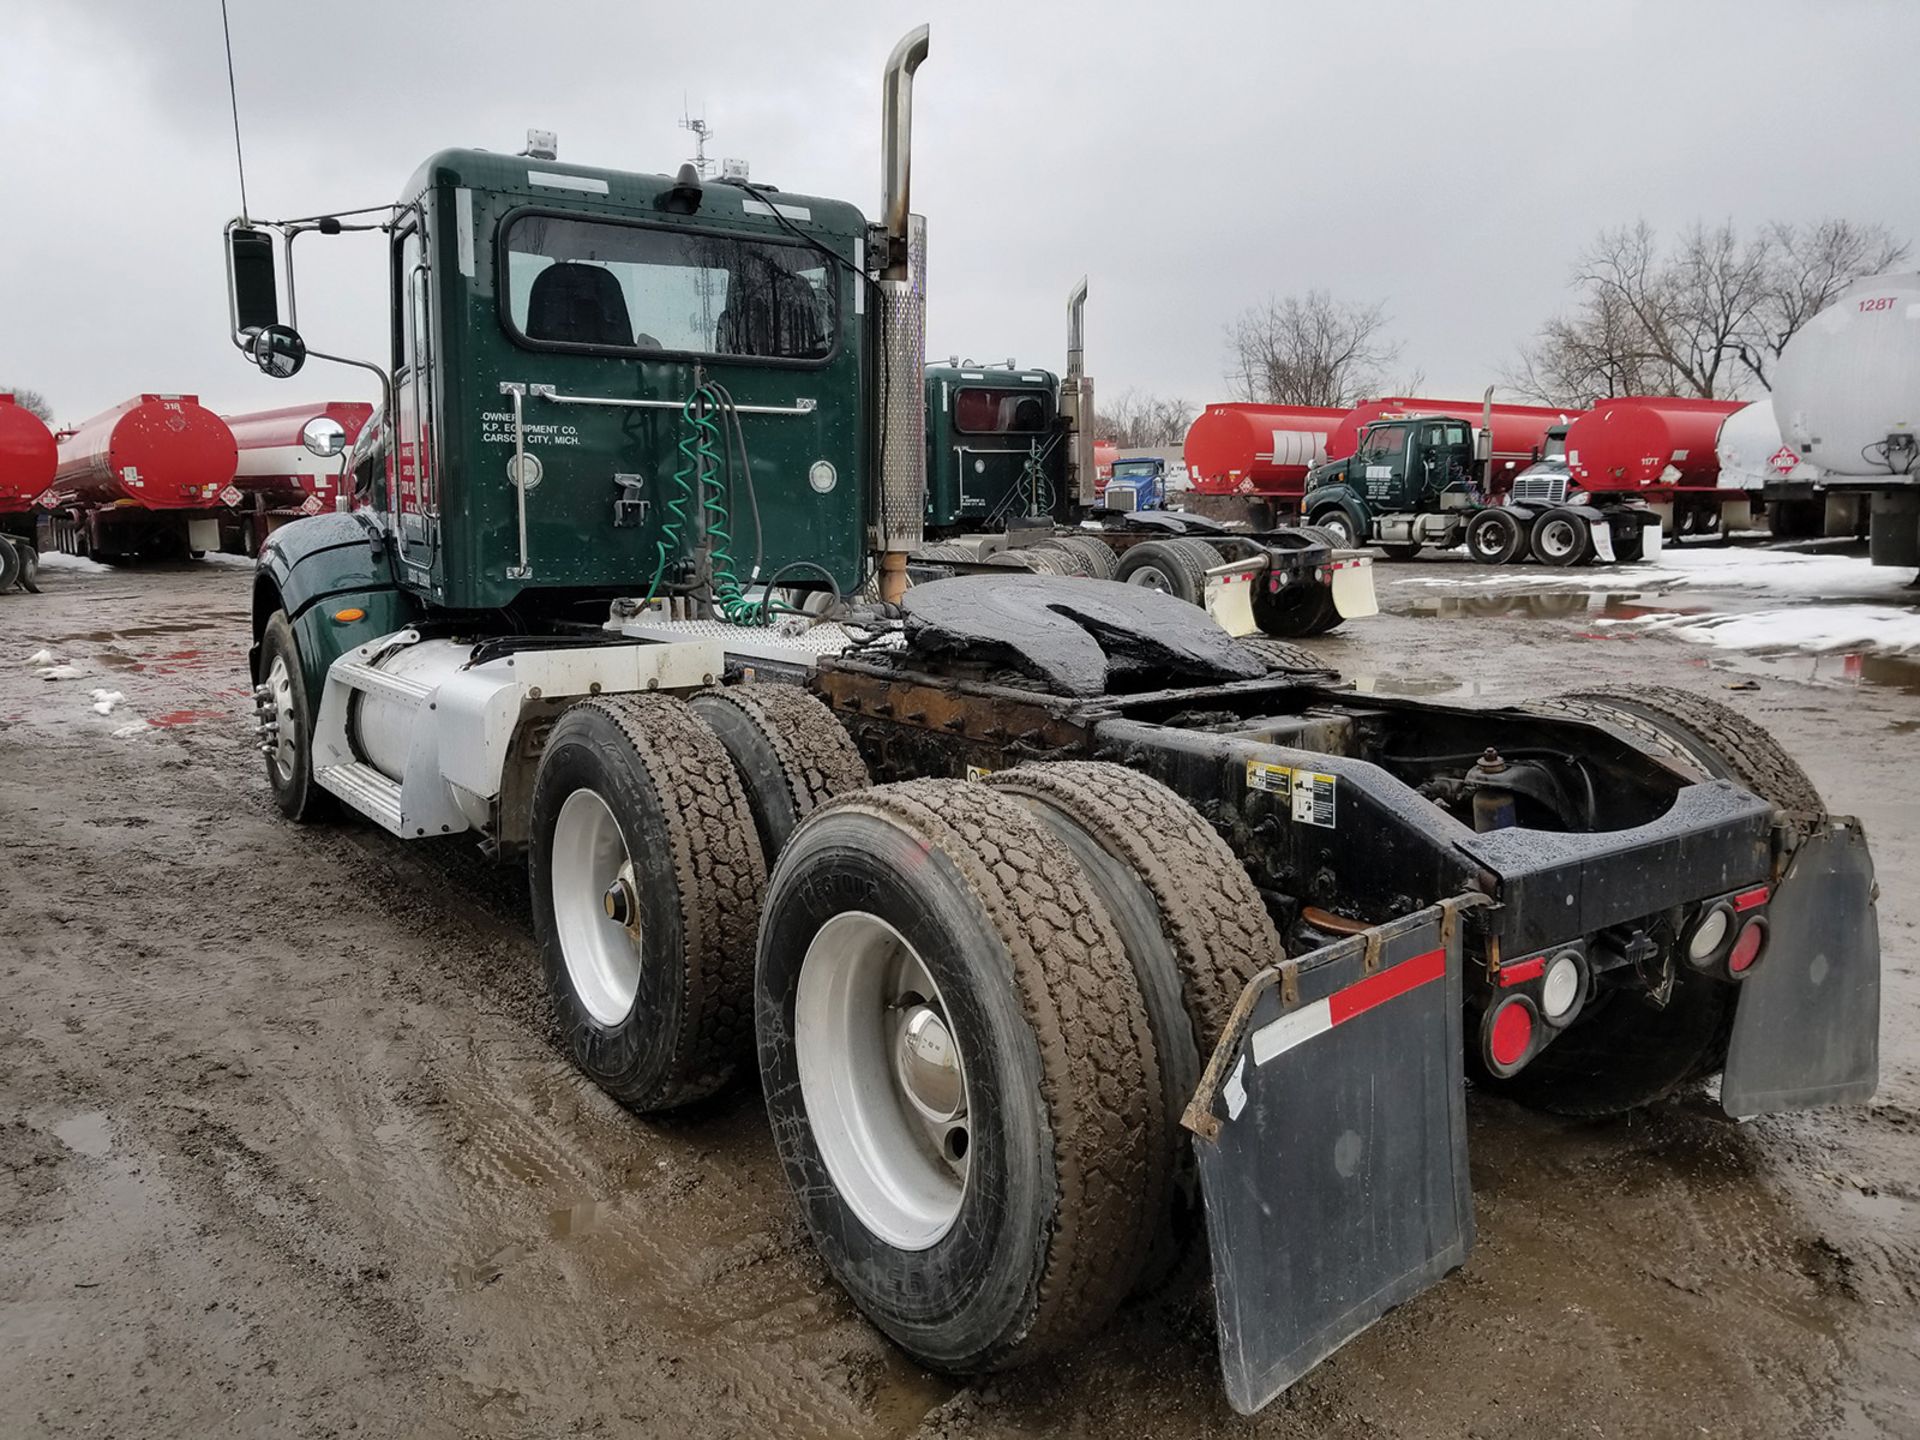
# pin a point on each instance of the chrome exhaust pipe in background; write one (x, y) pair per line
(1076, 401)
(900, 509)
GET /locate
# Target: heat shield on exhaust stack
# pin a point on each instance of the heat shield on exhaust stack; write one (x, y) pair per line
(901, 514)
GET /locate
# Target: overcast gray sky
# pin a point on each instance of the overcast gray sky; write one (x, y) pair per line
(1446, 159)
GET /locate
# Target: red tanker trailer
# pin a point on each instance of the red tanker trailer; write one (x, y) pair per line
(276, 478)
(1663, 449)
(28, 457)
(142, 479)
(1239, 448)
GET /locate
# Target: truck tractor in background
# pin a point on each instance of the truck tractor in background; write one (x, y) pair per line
(1404, 481)
(28, 459)
(142, 481)
(1011, 484)
(1846, 394)
(1143, 925)
(278, 476)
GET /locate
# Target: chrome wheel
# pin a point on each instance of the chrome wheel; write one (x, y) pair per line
(280, 732)
(596, 907)
(882, 1079)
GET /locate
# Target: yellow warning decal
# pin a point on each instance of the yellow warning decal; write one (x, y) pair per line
(1309, 795)
(1274, 779)
(978, 772)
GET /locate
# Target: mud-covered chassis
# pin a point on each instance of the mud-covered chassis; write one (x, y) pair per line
(1550, 895)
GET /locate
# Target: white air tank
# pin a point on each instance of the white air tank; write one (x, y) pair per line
(1851, 378)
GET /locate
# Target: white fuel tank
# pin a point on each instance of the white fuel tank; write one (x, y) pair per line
(1851, 379)
(1752, 454)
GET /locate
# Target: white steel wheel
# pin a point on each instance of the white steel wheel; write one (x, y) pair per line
(1559, 539)
(1339, 527)
(1152, 577)
(596, 907)
(285, 735)
(882, 1079)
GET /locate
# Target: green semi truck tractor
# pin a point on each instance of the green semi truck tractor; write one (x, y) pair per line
(1068, 934)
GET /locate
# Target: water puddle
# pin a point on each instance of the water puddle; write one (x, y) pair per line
(89, 1134)
(1900, 673)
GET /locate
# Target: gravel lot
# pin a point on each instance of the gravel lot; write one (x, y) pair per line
(286, 1149)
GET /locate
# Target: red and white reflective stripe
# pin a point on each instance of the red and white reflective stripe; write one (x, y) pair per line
(1277, 1037)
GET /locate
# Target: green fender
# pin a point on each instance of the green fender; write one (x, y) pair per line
(315, 569)
(1336, 491)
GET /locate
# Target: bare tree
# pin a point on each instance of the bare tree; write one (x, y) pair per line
(30, 400)
(1812, 265)
(1706, 319)
(1308, 349)
(1137, 418)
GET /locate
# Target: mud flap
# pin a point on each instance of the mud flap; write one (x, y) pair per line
(1330, 1128)
(1651, 538)
(1602, 540)
(1806, 1031)
(1229, 594)
(1353, 593)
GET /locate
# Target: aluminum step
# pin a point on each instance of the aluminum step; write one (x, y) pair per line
(366, 790)
(367, 678)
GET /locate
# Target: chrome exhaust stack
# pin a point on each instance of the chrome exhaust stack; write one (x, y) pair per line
(1076, 401)
(900, 514)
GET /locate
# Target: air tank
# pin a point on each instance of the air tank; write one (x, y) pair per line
(1264, 449)
(1851, 379)
(28, 456)
(1647, 443)
(273, 462)
(1519, 431)
(161, 452)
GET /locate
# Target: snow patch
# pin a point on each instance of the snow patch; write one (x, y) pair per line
(127, 732)
(40, 657)
(79, 564)
(61, 672)
(1873, 629)
(1786, 573)
(105, 700)
(220, 557)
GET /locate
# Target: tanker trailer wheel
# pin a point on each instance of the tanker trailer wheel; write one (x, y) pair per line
(10, 564)
(646, 889)
(1630, 547)
(1496, 537)
(1295, 612)
(959, 1071)
(791, 754)
(286, 724)
(1622, 1053)
(29, 566)
(1191, 924)
(1562, 539)
(1098, 556)
(1168, 566)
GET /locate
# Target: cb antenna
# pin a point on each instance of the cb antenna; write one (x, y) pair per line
(233, 95)
(702, 132)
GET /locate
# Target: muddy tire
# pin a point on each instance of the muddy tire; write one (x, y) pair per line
(1295, 612)
(1283, 655)
(10, 565)
(1099, 558)
(1561, 539)
(29, 567)
(943, 913)
(1170, 566)
(290, 762)
(1192, 926)
(791, 754)
(1623, 1053)
(646, 884)
(1496, 537)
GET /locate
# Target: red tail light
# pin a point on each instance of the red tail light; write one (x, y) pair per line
(1508, 1035)
(1746, 949)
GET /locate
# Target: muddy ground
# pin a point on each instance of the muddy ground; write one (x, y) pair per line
(286, 1149)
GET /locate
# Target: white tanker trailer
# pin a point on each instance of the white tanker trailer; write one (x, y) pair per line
(1847, 398)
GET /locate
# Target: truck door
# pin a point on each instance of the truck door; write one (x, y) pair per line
(414, 504)
(1383, 468)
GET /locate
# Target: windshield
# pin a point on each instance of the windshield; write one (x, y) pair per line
(619, 286)
(1133, 467)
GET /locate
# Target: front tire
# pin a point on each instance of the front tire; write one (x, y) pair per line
(959, 1073)
(646, 886)
(282, 702)
(1342, 533)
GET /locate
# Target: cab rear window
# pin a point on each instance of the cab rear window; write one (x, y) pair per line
(573, 283)
(986, 410)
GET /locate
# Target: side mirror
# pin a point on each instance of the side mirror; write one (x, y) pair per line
(251, 287)
(278, 350)
(324, 436)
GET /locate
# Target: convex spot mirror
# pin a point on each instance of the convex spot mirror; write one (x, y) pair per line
(324, 436)
(278, 350)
